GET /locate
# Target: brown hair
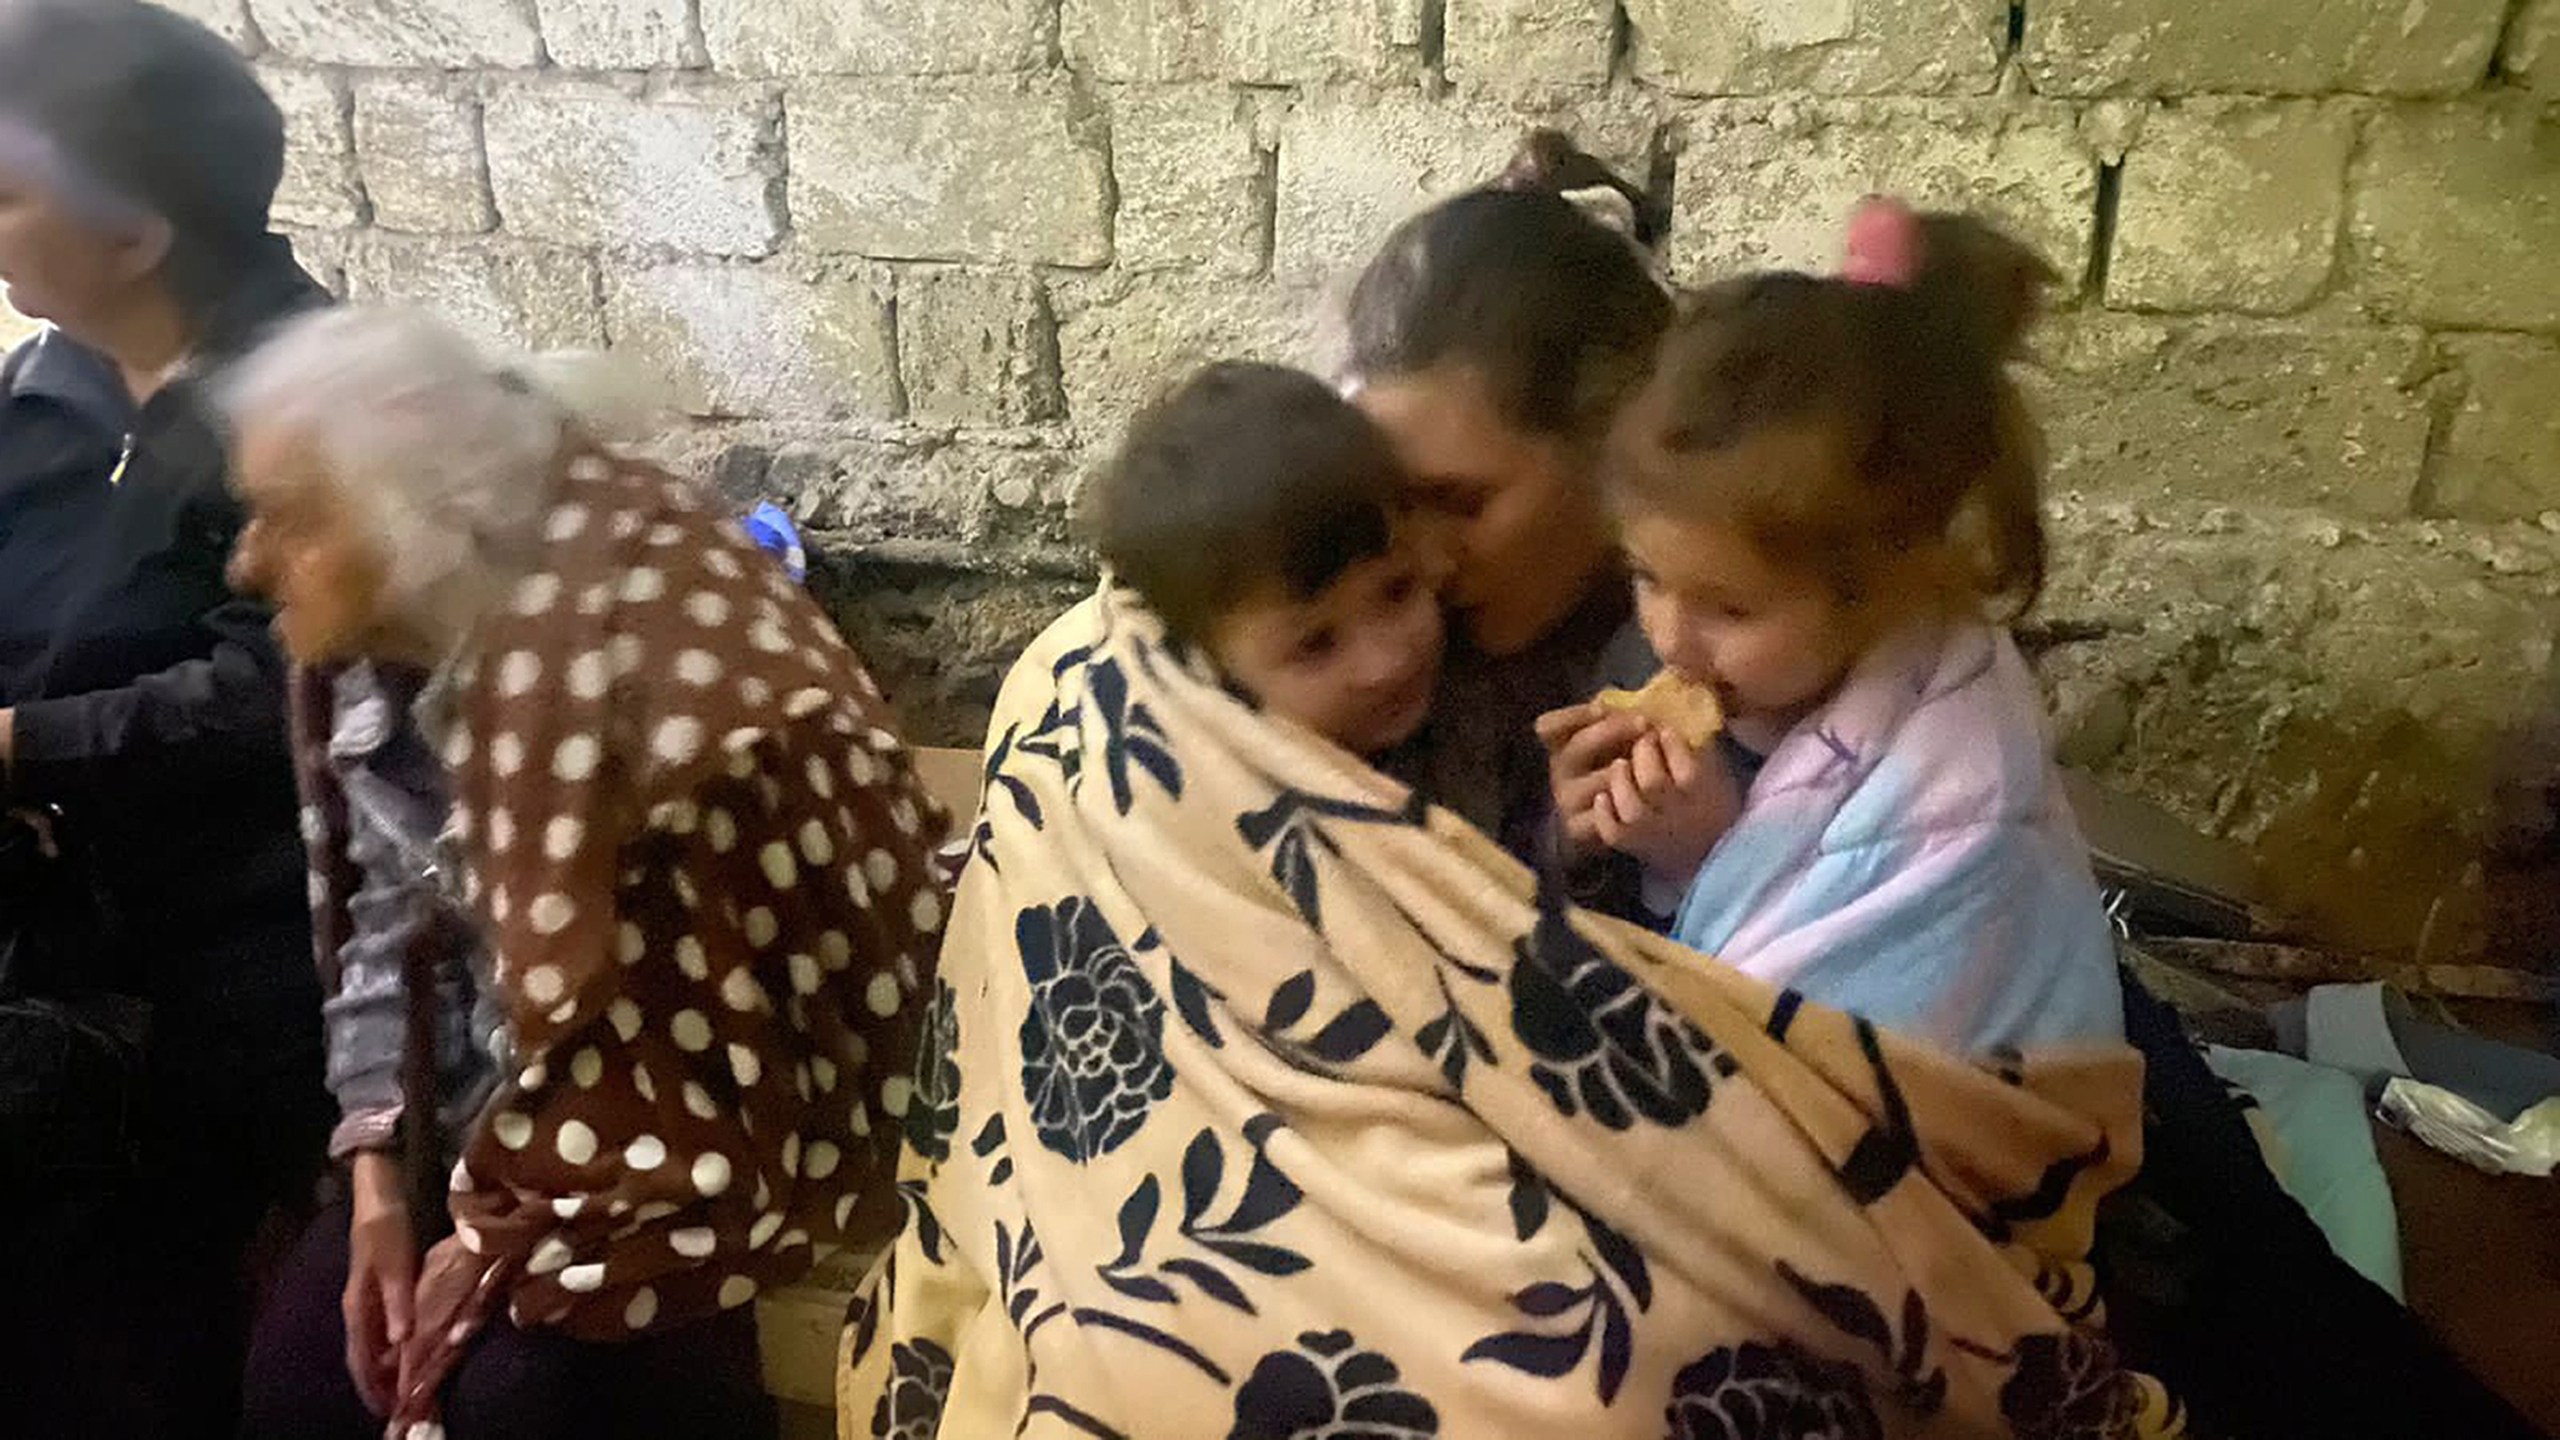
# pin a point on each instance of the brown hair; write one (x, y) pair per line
(1557, 312)
(1933, 451)
(1243, 475)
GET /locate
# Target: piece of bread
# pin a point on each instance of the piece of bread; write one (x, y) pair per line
(1688, 710)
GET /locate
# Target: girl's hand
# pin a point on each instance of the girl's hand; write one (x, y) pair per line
(1583, 742)
(382, 1275)
(1666, 805)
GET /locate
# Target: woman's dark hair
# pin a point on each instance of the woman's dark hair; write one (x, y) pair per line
(1242, 476)
(1927, 445)
(1557, 312)
(159, 108)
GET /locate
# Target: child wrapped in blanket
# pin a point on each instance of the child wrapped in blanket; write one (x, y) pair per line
(1256, 512)
(1828, 495)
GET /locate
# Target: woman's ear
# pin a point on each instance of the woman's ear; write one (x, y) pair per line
(143, 249)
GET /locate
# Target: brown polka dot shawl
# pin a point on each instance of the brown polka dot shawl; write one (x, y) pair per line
(705, 867)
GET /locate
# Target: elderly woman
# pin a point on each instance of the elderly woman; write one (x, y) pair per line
(142, 711)
(699, 860)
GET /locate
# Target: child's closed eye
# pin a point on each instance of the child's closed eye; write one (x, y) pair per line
(1315, 646)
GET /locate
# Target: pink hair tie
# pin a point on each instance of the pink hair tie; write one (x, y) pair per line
(1884, 243)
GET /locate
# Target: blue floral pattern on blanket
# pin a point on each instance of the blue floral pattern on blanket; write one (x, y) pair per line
(1093, 1043)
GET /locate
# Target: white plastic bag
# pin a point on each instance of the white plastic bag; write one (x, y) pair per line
(2446, 1121)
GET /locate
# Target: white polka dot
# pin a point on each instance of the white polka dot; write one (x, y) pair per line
(676, 817)
(587, 1066)
(643, 1083)
(902, 813)
(844, 1211)
(698, 1103)
(681, 881)
(643, 1307)
(858, 1121)
(568, 1206)
(582, 1279)
(707, 609)
(882, 994)
(513, 1129)
(835, 949)
(740, 992)
(576, 758)
(744, 1064)
(926, 912)
(552, 1254)
(791, 1240)
(722, 564)
(740, 744)
(544, 984)
(643, 585)
(895, 1093)
(461, 822)
(590, 468)
(823, 1070)
(805, 702)
(761, 1232)
(566, 1012)
(735, 1291)
(860, 768)
(565, 523)
(692, 1031)
(501, 904)
(519, 672)
(816, 846)
(721, 831)
(645, 1153)
(762, 928)
(576, 1143)
(590, 676)
(562, 837)
(663, 536)
(552, 912)
(821, 1161)
(534, 1077)
(628, 943)
(694, 1241)
(805, 977)
(502, 829)
(691, 959)
(626, 523)
(755, 692)
(800, 1083)
(822, 781)
(711, 1172)
(698, 668)
(457, 747)
(882, 869)
(595, 599)
(537, 593)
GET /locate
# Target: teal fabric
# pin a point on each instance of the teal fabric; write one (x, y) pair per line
(2330, 1165)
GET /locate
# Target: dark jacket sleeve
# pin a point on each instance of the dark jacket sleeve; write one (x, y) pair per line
(160, 734)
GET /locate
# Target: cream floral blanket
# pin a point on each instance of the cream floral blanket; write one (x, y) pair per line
(1260, 1099)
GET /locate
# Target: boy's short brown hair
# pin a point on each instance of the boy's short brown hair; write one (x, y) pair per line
(1242, 476)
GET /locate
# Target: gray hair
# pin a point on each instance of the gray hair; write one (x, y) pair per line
(445, 453)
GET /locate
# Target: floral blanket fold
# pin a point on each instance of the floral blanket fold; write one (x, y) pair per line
(1260, 1099)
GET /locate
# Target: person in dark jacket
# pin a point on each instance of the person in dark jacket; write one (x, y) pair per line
(138, 159)
(63, 417)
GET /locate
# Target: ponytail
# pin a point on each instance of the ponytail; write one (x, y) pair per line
(1903, 361)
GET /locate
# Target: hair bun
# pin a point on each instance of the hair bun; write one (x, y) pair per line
(1548, 162)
